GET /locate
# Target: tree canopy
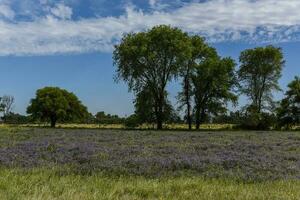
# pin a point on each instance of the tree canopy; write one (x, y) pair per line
(200, 51)
(213, 85)
(152, 59)
(259, 73)
(54, 104)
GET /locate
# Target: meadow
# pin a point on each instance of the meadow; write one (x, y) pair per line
(41, 163)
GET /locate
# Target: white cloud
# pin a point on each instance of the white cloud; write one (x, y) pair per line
(61, 11)
(152, 2)
(217, 20)
(6, 12)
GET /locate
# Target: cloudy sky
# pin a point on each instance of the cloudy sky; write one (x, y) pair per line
(68, 43)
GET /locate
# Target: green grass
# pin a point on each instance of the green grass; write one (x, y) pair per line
(48, 184)
(122, 126)
(238, 165)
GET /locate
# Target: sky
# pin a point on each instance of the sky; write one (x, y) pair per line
(69, 43)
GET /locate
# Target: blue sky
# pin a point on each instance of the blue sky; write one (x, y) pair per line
(69, 43)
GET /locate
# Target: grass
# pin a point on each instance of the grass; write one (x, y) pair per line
(40, 163)
(47, 185)
(121, 126)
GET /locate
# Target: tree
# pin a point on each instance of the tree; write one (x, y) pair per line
(54, 104)
(103, 118)
(199, 52)
(259, 73)
(288, 112)
(213, 83)
(7, 104)
(145, 107)
(15, 118)
(151, 59)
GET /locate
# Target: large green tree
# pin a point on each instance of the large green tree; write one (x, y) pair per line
(56, 105)
(213, 85)
(259, 73)
(199, 52)
(152, 59)
(289, 110)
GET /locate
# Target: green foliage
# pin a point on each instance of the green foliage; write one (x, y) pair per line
(152, 59)
(132, 121)
(103, 118)
(259, 73)
(258, 121)
(200, 51)
(15, 118)
(56, 105)
(288, 112)
(213, 84)
(145, 108)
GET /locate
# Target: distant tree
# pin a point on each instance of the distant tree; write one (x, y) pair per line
(103, 118)
(151, 59)
(15, 118)
(199, 52)
(7, 104)
(259, 73)
(213, 85)
(54, 104)
(288, 112)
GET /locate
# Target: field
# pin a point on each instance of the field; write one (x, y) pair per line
(40, 163)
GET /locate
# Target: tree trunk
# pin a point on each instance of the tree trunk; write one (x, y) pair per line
(159, 114)
(188, 104)
(198, 118)
(159, 124)
(189, 119)
(53, 122)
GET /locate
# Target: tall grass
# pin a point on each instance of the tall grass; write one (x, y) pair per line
(42, 184)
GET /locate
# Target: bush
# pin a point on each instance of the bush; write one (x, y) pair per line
(258, 121)
(132, 121)
(15, 118)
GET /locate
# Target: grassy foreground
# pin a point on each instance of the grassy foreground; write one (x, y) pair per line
(47, 184)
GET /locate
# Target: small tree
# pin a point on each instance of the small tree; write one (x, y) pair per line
(54, 104)
(152, 59)
(288, 112)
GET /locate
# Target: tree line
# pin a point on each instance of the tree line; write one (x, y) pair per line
(148, 61)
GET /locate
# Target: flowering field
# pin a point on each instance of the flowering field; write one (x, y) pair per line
(171, 158)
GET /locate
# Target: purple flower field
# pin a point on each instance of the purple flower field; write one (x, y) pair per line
(250, 156)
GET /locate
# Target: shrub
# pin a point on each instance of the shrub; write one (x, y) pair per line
(132, 121)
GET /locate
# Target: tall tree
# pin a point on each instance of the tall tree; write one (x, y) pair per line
(259, 73)
(152, 59)
(199, 52)
(289, 110)
(54, 104)
(213, 85)
(7, 104)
